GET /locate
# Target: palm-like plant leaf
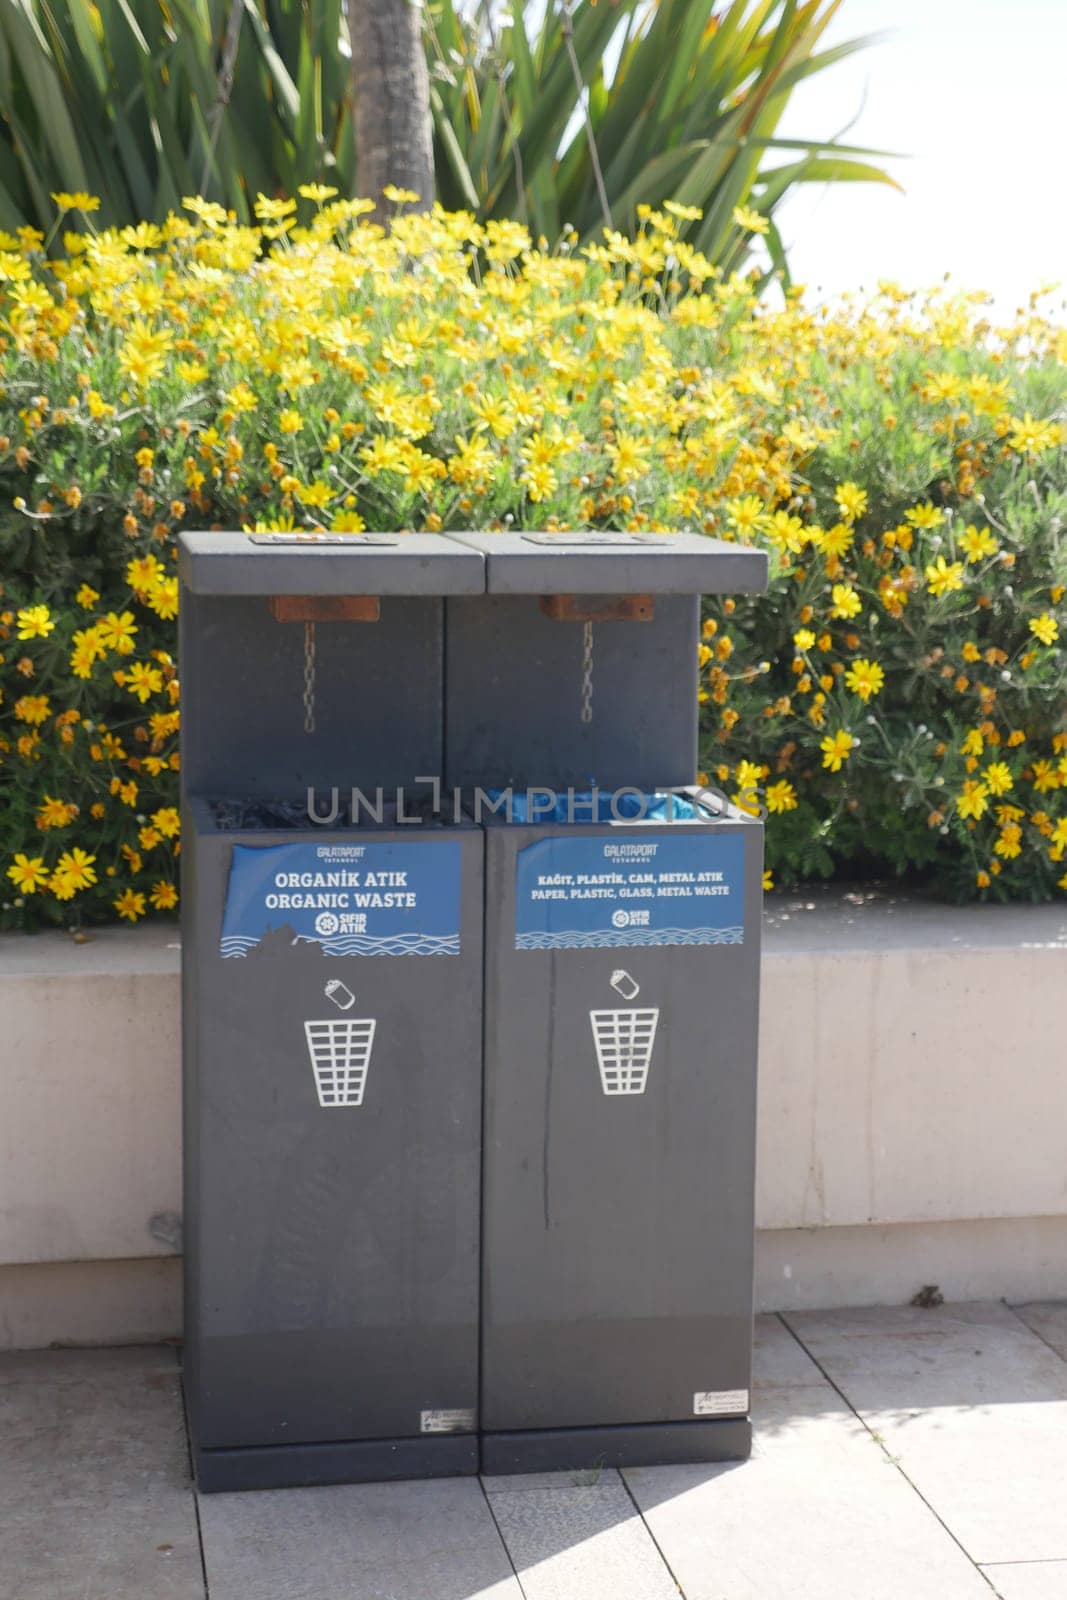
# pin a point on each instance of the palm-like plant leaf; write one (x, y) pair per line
(541, 112)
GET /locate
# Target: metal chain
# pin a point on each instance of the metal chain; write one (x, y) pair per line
(587, 672)
(309, 677)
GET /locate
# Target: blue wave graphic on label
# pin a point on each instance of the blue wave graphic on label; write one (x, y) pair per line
(573, 940)
(585, 891)
(402, 944)
(398, 898)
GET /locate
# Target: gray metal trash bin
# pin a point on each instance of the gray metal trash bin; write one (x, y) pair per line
(332, 980)
(622, 967)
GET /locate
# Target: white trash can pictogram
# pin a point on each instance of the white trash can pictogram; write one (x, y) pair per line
(624, 1041)
(340, 1049)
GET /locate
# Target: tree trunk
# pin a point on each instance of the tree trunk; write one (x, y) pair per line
(394, 132)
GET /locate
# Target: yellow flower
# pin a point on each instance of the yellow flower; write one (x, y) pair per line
(768, 882)
(143, 681)
(164, 896)
(163, 598)
(943, 577)
(846, 602)
(116, 632)
(143, 354)
(271, 210)
(167, 821)
(998, 777)
(781, 796)
(977, 543)
(382, 455)
(1031, 438)
(130, 904)
(347, 522)
(1045, 628)
(837, 541)
(78, 201)
(982, 880)
(804, 639)
(851, 501)
(746, 514)
(28, 873)
(319, 192)
(505, 240)
(787, 531)
(748, 774)
(53, 813)
(142, 572)
(1008, 844)
(924, 516)
(683, 213)
(400, 197)
(87, 597)
(290, 421)
(33, 708)
(493, 414)
(34, 622)
(973, 799)
(865, 678)
(750, 221)
(73, 871)
(836, 748)
(628, 458)
(539, 481)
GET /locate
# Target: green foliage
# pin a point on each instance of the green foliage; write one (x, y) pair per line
(141, 102)
(898, 695)
(127, 100)
(689, 113)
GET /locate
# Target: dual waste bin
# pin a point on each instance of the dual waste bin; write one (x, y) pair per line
(469, 1005)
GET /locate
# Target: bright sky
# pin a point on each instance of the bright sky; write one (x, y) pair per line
(972, 91)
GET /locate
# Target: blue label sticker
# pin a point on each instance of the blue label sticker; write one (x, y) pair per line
(373, 899)
(589, 893)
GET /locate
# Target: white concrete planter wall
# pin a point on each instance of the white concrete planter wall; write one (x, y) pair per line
(913, 1116)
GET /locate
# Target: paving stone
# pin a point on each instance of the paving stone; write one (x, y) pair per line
(433, 1540)
(1048, 1319)
(578, 1541)
(97, 1500)
(1029, 1580)
(817, 1512)
(974, 1407)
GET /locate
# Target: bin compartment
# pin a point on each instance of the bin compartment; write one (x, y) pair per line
(333, 1123)
(621, 1002)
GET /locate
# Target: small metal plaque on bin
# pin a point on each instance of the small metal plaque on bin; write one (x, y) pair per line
(313, 536)
(584, 539)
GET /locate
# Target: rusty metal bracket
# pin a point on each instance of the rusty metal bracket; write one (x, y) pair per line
(325, 607)
(598, 607)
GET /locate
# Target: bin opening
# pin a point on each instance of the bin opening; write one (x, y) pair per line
(231, 814)
(298, 536)
(562, 540)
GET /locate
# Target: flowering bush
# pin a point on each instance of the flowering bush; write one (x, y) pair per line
(899, 692)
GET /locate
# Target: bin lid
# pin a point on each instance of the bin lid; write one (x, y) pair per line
(328, 564)
(616, 563)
